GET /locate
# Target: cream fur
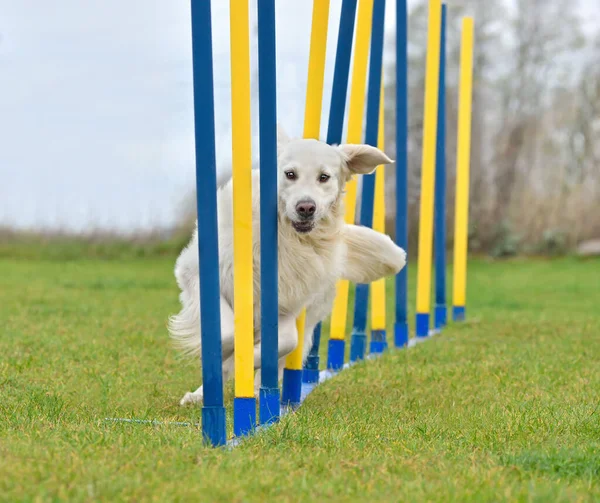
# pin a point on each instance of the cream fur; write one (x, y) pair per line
(310, 263)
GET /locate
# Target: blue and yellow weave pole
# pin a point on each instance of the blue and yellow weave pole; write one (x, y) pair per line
(292, 373)
(269, 398)
(401, 283)
(244, 403)
(439, 320)
(378, 324)
(213, 412)
(428, 170)
(461, 222)
(361, 300)
(336, 349)
(335, 128)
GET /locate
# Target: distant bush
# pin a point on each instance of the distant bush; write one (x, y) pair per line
(554, 242)
(506, 242)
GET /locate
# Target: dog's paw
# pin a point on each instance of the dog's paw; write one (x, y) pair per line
(191, 398)
(401, 260)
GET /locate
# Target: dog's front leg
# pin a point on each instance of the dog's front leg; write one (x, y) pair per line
(371, 255)
(287, 342)
(197, 396)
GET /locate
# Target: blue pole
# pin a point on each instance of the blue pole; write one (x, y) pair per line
(213, 412)
(401, 326)
(335, 130)
(310, 373)
(269, 401)
(341, 73)
(361, 300)
(440, 189)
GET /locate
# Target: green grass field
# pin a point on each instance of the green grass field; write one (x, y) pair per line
(505, 407)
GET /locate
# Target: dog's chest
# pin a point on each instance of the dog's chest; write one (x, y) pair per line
(305, 272)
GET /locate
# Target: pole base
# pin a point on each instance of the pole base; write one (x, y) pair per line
(269, 405)
(358, 346)
(440, 317)
(422, 325)
(213, 425)
(244, 416)
(292, 388)
(458, 313)
(335, 354)
(378, 342)
(401, 334)
(310, 376)
(310, 373)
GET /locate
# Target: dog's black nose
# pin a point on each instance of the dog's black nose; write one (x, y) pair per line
(306, 209)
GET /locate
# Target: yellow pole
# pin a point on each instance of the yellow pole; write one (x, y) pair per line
(316, 69)
(312, 123)
(378, 287)
(294, 359)
(355, 124)
(242, 199)
(428, 168)
(461, 222)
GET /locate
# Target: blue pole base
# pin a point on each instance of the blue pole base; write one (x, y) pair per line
(310, 373)
(269, 405)
(310, 376)
(422, 328)
(440, 318)
(378, 341)
(213, 425)
(401, 334)
(292, 387)
(358, 346)
(335, 354)
(244, 415)
(458, 313)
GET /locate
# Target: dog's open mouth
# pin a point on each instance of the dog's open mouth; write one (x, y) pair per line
(303, 226)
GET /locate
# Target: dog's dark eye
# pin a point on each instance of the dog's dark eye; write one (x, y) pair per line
(323, 178)
(290, 175)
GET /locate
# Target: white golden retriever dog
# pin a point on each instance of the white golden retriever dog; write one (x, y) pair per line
(316, 249)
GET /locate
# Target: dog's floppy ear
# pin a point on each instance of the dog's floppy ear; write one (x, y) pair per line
(363, 159)
(282, 138)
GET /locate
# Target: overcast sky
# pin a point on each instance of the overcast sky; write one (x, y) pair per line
(96, 124)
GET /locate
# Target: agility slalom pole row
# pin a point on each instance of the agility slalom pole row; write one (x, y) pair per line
(401, 230)
(335, 127)
(439, 320)
(269, 397)
(292, 373)
(461, 224)
(428, 170)
(336, 349)
(358, 343)
(213, 411)
(378, 322)
(244, 403)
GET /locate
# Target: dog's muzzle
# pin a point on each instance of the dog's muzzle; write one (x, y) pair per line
(305, 212)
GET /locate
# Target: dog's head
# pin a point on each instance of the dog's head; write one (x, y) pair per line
(312, 175)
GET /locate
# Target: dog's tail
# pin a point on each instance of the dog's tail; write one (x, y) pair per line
(184, 329)
(185, 326)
